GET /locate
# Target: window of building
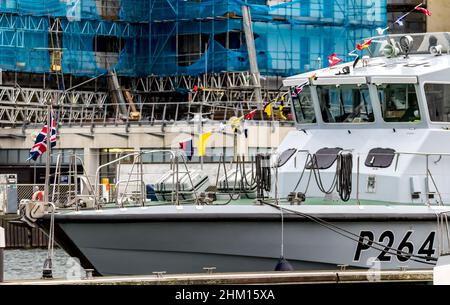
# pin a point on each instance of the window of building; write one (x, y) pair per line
(305, 8)
(345, 104)
(303, 106)
(24, 154)
(4, 156)
(212, 155)
(156, 157)
(231, 40)
(328, 9)
(109, 44)
(19, 157)
(191, 48)
(438, 101)
(399, 103)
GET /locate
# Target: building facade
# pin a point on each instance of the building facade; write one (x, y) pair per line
(127, 75)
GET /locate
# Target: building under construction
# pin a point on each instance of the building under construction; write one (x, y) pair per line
(119, 73)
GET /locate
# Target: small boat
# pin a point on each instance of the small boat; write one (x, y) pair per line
(363, 181)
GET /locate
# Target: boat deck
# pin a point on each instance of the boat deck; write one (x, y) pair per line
(308, 202)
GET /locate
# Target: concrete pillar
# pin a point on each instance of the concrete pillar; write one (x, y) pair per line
(2, 247)
(91, 162)
(439, 22)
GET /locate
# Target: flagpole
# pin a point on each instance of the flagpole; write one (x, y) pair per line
(49, 148)
(47, 271)
(201, 132)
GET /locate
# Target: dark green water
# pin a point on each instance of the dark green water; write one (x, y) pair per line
(28, 264)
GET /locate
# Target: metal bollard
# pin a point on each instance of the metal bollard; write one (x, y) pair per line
(89, 274)
(2, 247)
(209, 270)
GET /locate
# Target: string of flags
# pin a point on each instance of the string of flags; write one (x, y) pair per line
(299, 89)
(399, 21)
(188, 147)
(251, 115)
(268, 109)
(360, 47)
(333, 59)
(364, 45)
(237, 124)
(202, 141)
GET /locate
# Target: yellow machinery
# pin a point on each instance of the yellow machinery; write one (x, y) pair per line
(56, 61)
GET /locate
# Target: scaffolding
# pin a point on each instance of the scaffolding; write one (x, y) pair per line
(160, 50)
(174, 37)
(200, 37)
(95, 36)
(201, 44)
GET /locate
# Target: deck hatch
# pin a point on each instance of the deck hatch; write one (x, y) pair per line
(286, 156)
(380, 157)
(324, 158)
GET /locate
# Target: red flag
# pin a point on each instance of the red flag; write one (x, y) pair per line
(297, 90)
(188, 148)
(251, 115)
(333, 60)
(423, 10)
(363, 46)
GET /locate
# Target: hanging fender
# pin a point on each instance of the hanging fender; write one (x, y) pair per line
(38, 196)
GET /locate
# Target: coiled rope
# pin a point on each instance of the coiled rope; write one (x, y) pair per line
(342, 180)
(263, 174)
(344, 174)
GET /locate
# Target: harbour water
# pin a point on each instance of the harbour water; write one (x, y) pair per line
(28, 264)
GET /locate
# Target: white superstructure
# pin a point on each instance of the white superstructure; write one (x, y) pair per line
(397, 99)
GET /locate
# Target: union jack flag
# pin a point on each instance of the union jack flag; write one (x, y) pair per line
(40, 145)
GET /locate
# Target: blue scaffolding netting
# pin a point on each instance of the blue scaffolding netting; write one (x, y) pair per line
(178, 37)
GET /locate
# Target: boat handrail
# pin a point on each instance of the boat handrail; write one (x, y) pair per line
(428, 173)
(175, 155)
(422, 153)
(74, 160)
(132, 154)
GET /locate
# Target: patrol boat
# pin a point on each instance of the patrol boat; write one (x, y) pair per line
(363, 181)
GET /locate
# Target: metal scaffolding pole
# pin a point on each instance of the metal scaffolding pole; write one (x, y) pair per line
(249, 38)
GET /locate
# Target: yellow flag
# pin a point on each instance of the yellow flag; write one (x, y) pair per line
(202, 143)
(281, 113)
(268, 109)
(235, 123)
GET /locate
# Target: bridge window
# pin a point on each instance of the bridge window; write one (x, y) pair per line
(438, 100)
(345, 104)
(303, 105)
(399, 103)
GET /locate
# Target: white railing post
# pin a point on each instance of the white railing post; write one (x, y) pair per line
(2, 247)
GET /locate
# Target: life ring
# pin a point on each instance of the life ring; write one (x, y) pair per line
(38, 196)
